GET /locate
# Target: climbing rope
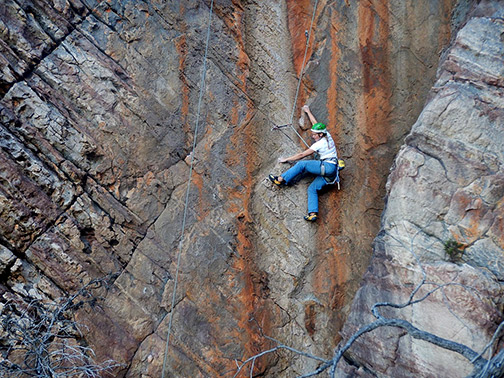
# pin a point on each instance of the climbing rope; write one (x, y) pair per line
(202, 89)
(200, 99)
(308, 35)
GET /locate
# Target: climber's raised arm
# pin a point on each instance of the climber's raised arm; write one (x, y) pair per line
(307, 110)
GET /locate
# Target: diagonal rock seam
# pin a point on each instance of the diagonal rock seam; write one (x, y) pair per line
(250, 255)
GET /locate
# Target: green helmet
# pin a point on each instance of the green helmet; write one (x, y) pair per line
(319, 128)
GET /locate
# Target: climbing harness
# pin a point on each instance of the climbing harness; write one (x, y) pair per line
(332, 179)
(202, 87)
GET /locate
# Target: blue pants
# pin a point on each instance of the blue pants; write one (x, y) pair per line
(310, 166)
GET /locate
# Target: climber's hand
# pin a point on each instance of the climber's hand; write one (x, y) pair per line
(306, 108)
(282, 160)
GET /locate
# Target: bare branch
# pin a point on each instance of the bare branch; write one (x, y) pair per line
(277, 348)
(483, 368)
(253, 358)
(495, 337)
(42, 338)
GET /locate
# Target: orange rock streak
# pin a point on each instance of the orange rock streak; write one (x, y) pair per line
(373, 43)
(332, 91)
(331, 272)
(241, 152)
(181, 46)
(299, 15)
(234, 24)
(253, 296)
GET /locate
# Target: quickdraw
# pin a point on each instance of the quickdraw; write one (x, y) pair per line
(278, 127)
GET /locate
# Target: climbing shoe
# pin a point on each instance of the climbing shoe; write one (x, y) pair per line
(310, 217)
(274, 180)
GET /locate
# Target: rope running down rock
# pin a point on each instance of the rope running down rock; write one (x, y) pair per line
(200, 99)
(301, 73)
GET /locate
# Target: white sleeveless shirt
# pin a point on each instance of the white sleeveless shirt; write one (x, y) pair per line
(325, 147)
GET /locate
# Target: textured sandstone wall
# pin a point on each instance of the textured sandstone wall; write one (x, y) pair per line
(447, 185)
(368, 76)
(98, 107)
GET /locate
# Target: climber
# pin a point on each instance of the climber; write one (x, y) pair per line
(325, 169)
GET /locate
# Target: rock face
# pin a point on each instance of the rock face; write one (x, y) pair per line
(446, 187)
(99, 104)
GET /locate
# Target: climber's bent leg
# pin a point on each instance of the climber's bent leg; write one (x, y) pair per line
(301, 167)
